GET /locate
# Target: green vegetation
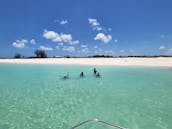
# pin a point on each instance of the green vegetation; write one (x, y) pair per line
(40, 53)
(104, 56)
(17, 55)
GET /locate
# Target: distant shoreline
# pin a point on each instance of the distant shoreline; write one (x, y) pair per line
(130, 61)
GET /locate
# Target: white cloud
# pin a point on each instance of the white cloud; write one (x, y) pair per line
(66, 37)
(32, 41)
(62, 22)
(69, 49)
(162, 47)
(20, 43)
(104, 38)
(50, 34)
(85, 50)
(24, 41)
(74, 42)
(83, 46)
(98, 28)
(55, 37)
(46, 48)
(95, 24)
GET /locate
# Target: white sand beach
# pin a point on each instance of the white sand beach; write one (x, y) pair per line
(159, 61)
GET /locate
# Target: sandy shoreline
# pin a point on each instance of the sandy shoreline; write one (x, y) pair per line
(160, 61)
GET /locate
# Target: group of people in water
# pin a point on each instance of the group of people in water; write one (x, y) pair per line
(96, 74)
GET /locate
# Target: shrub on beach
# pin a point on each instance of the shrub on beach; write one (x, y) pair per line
(40, 53)
(17, 55)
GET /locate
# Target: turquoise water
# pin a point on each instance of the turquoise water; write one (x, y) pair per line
(35, 97)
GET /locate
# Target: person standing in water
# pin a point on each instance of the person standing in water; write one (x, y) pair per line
(82, 74)
(95, 71)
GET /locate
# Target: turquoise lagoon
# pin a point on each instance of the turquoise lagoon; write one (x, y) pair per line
(36, 96)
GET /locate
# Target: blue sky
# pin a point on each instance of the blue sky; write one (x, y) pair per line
(86, 27)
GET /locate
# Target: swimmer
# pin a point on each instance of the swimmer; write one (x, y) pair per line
(82, 74)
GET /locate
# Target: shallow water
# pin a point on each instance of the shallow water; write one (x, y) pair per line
(36, 97)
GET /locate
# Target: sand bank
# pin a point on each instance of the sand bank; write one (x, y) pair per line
(160, 61)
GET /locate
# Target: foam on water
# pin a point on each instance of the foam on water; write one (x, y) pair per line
(35, 97)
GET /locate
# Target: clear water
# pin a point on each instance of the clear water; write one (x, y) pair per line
(35, 97)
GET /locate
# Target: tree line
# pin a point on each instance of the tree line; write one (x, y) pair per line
(42, 54)
(38, 53)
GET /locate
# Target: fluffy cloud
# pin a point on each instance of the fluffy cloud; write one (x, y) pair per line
(62, 22)
(59, 38)
(74, 42)
(46, 48)
(162, 47)
(32, 41)
(83, 46)
(166, 50)
(50, 34)
(104, 38)
(20, 43)
(84, 49)
(95, 24)
(66, 37)
(69, 49)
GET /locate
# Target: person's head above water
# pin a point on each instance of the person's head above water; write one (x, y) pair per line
(98, 75)
(66, 76)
